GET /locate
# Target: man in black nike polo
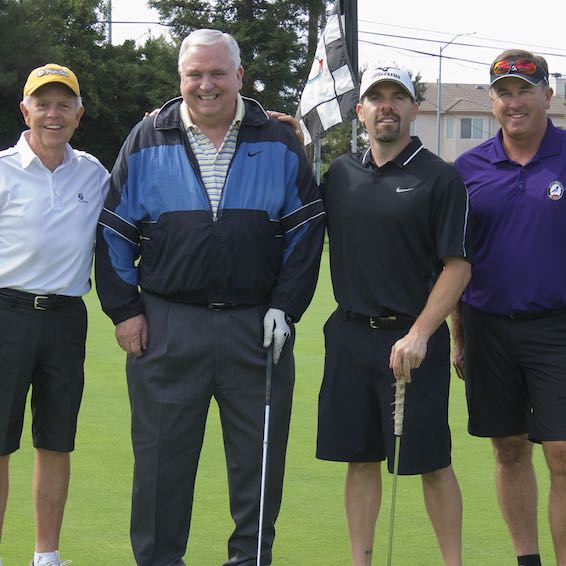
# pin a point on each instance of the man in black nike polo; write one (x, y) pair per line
(397, 227)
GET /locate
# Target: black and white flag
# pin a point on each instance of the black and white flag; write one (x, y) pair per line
(331, 93)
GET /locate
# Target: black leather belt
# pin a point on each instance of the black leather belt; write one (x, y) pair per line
(535, 314)
(36, 302)
(221, 306)
(389, 322)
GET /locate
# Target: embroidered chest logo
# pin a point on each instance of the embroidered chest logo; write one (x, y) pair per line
(555, 190)
(82, 198)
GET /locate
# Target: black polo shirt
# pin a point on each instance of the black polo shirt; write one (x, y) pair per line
(389, 228)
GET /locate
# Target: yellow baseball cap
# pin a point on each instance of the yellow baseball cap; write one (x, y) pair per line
(51, 73)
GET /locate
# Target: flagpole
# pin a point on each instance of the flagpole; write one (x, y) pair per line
(330, 93)
(317, 159)
(350, 11)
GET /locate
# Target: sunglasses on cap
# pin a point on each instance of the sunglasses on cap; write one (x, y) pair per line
(525, 68)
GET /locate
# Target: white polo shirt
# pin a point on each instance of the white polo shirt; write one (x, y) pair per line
(48, 220)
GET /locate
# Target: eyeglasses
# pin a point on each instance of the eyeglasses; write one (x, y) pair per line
(520, 66)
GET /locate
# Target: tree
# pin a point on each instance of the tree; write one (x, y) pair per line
(118, 83)
(34, 33)
(271, 34)
(127, 81)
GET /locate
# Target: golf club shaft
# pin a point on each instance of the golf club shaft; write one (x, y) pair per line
(262, 493)
(393, 498)
(398, 417)
(268, 371)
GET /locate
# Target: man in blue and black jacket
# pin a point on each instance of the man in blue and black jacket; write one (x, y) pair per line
(208, 251)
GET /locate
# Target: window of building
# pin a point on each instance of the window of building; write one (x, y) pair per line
(471, 128)
(450, 128)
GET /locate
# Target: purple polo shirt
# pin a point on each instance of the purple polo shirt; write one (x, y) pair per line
(518, 226)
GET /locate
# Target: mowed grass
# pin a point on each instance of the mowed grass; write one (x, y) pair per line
(311, 528)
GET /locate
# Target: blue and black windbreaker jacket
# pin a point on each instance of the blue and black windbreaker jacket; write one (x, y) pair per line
(157, 231)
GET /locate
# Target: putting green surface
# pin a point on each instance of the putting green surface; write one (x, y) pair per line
(311, 530)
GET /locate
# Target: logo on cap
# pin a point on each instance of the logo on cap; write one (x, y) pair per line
(60, 72)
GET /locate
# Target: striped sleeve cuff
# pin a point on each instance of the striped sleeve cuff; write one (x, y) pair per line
(119, 226)
(302, 215)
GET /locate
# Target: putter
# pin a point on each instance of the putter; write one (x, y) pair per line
(268, 371)
(398, 416)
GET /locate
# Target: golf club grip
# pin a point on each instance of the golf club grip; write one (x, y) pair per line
(399, 413)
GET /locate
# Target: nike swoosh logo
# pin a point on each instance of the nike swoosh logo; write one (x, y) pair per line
(250, 154)
(400, 190)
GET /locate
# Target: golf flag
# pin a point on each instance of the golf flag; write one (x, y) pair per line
(331, 93)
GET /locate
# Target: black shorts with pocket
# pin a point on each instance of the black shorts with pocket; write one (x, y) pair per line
(515, 375)
(44, 349)
(355, 420)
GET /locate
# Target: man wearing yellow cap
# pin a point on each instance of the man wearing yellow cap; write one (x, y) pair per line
(50, 200)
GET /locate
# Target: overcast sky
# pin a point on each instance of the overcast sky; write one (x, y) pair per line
(493, 26)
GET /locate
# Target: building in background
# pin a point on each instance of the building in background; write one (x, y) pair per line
(466, 118)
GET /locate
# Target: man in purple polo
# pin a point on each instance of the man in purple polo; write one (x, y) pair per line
(509, 337)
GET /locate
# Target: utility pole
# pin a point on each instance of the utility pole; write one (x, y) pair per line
(109, 21)
(439, 87)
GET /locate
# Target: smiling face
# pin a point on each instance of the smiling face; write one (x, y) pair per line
(387, 111)
(520, 107)
(210, 82)
(52, 116)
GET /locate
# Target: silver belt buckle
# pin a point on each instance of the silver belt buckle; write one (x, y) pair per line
(36, 305)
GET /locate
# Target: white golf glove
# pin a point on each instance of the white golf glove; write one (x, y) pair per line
(276, 329)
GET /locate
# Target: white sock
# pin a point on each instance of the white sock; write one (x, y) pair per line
(40, 558)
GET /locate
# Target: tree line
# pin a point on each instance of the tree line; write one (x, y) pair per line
(119, 83)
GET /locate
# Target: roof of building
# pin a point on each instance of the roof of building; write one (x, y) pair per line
(471, 99)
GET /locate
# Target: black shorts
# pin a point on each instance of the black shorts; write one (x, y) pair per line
(355, 419)
(44, 349)
(515, 375)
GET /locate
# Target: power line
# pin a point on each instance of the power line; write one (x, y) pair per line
(555, 51)
(424, 52)
(133, 22)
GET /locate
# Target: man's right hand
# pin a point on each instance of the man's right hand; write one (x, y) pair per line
(458, 341)
(458, 356)
(131, 335)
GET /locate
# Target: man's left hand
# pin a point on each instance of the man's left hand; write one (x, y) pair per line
(407, 354)
(276, 330)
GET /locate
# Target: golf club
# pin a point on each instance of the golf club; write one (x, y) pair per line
(398, 416)
(268, 370)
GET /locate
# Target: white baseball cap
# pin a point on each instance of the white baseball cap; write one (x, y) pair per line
(375, 75)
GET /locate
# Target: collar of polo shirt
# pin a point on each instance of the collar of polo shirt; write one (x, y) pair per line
(188, 123)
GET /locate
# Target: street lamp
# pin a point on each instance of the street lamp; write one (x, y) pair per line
(438, 93)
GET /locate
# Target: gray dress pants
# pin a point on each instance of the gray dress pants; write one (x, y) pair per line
(194, 354)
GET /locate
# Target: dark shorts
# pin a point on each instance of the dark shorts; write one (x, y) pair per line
(515, 375)
(355, 419)
(44, 349)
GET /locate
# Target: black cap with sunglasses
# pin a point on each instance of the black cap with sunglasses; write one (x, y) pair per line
(528, 70)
